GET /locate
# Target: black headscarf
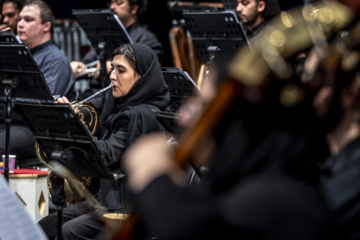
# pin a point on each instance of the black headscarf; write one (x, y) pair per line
(149, 92)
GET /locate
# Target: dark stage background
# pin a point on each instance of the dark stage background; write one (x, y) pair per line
(159, 18)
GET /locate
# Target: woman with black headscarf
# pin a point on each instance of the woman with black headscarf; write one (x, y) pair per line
(139, 88)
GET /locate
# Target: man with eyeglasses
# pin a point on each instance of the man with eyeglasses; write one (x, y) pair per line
(10, 10)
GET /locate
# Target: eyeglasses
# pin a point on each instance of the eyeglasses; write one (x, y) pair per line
(118, 2)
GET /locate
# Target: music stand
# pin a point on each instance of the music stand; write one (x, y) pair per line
(105, 33)
(229, 4)
(64, 138)
(8, 37)
(214, 32)
(20, 77)
(181, 87)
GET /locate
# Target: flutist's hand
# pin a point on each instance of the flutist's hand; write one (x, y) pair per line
(65, 100)
(77, 67)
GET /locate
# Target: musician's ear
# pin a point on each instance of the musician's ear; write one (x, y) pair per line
(134, 9)
(261, 6)
(47, 26)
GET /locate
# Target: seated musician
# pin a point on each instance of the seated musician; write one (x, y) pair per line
(130, 13)
(139, 87)
(255, 14)
(263, 173)
(10, 10)
(35, 28)
(341, 171)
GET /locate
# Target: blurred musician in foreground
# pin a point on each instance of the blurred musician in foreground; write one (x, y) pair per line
(139, 88)
(10, 10)
(35, 26)
(263, 180)
(261, 183)
(338, 103)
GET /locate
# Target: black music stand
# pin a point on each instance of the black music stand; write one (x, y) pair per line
(181, 87)
(229, 4)
(8, 37)
(20, 77)
(64, 138)
(105, 33)
(214, 32)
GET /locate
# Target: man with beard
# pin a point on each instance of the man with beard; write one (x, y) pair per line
(10, 10)
(251, 14)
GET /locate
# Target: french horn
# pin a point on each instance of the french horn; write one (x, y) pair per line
(85, 110)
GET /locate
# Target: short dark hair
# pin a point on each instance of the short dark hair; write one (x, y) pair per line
(272, 9)
(46, 13)
(142, 7)
(128, 53)
(18, 3)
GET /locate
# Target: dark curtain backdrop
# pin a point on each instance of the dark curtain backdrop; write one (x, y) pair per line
(158, 19)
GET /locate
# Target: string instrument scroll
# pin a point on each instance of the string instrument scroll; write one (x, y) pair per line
(254, 72)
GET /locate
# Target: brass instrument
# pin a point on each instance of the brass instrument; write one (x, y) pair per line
(183, 51)
(71, 195)
(93, 123)
(6, 29)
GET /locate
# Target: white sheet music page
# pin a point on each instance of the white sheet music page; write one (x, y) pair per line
(15, 221)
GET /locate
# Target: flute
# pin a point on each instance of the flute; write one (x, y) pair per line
(92, 96)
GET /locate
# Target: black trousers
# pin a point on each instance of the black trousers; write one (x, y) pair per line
(79, 221)
(22, 141)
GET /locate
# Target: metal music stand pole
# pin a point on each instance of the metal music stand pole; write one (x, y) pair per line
(9, 84)
(20, 79)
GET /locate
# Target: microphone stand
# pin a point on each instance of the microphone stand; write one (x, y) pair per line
(9, 84)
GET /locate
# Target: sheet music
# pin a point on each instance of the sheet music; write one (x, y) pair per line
(15, 222)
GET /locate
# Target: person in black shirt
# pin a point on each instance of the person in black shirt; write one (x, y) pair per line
(263, 174)
(338, 103)
(255, 13)
(128, 113)
(10, 10)
(130, 13)
(35, 25)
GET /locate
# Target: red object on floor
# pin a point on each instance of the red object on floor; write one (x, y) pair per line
(26, 171)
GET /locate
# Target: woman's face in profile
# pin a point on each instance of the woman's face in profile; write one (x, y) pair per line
(122, 75)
